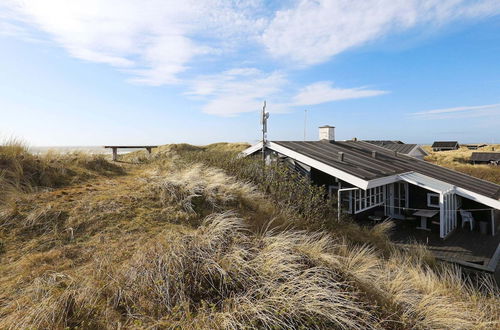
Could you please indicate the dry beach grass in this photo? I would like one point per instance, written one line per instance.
(192, 238)
(458, 160)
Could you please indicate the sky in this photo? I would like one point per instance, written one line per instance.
(133, 72)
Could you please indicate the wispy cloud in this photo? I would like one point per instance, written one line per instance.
(159, 42)
(459, 112)
(322, 92)
(238, 90)
(243, 90)
(158, 39)
(154, 41)
(313, 31)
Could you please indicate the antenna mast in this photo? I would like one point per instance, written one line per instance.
(263, 121)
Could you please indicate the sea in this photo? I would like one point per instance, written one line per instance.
(87, 149)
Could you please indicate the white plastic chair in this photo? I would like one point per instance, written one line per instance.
(467, 217)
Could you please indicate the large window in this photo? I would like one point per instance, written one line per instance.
(366, 199)
(400, 198)
(397, 199)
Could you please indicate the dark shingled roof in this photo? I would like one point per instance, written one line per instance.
(384, 142)
(485, 156)
(480, 145)
(399, 147)
(444, 144)
(359, 162)
(402, 148)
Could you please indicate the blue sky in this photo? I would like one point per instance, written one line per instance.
(153, 72)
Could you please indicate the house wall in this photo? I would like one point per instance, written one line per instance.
(418, 200)
(417, 153)
(486, 162)
(418, 197)
(297, 167)
(470, 205)
(497, 221)
(321, 178)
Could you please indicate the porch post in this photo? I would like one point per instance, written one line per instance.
(384, 190)
(454, 210)
(390, 189)
(338, 205)
(442, 216)
(493, 229)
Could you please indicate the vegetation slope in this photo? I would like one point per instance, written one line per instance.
(459, 160)
(194, 237)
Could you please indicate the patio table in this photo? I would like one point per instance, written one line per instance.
(424, 215)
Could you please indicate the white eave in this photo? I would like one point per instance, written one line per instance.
(252, 149)
(328, 169)
(439, 186)
(426, 182)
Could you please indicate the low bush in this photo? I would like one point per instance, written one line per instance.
(288, 189)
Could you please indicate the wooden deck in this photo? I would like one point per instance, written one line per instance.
(462, 244)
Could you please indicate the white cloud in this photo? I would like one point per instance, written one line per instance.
(153, 40)
(9, 29)
(313, 31)
(158, 41)
(244, 89)
(322, 92)
(239, 90)
(489, 110)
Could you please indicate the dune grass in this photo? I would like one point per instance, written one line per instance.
(458, 160)
(23, 171)
(176, 242)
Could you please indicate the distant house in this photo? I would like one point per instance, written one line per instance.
(445, 145)
(485, 158)
(413, 150)
(474, 146)
(369, 180)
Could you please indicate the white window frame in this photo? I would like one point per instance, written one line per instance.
(336, 186)
(367, 199)
(429, 197)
